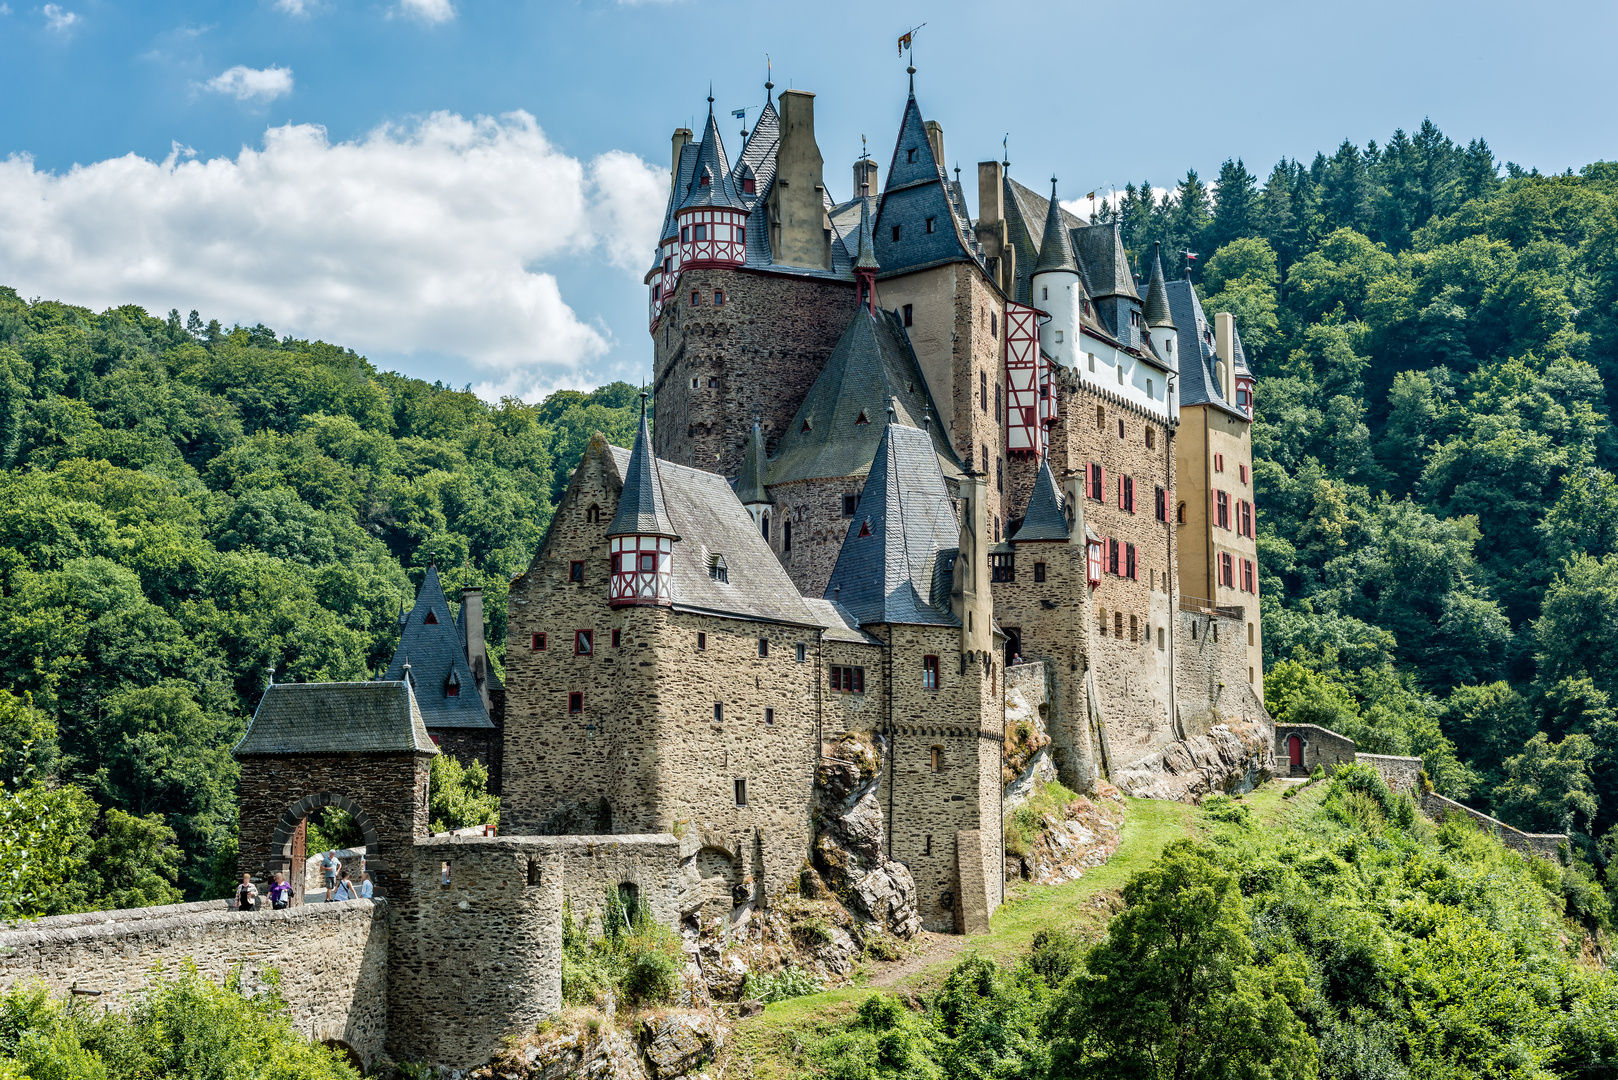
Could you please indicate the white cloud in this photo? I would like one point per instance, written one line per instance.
(57, 17)
(433, 11)
(1082, 207)
(247, 84)
(441, 238)
(5, 9)
(294, 7)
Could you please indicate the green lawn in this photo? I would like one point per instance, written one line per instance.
(773, 1045)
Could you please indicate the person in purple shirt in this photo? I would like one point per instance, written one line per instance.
(280, 893)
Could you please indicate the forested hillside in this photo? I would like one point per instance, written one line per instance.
(1437, 350)
(184, 508)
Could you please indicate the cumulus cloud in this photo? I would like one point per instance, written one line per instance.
(57, 17)
(1081, 207)
(252, 84)
(433, 11)
(438, 238)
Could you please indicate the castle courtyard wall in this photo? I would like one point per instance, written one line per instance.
(332, 959)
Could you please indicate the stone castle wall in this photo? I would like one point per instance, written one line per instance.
(761, 350)
(332, 959)
(1399, 773)
(1320, 747)
(819, 527)
(1545, 845)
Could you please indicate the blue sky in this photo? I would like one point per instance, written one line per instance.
(466, 189)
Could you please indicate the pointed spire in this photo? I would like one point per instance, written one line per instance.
(866, 258)
(640, 506)
(750, 484)
(1157, 294)
(911, 71)
(769, 78)
(1045, 518)
(1055, 247)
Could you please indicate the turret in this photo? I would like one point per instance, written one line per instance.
(865, 264)
(1159, 323)
(1057, 289)
(641, 537)
(750, 483)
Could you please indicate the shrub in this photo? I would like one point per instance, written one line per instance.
(636, 960)
(1024, 824)
(1226, 809)
(789, 982)
(1056, 955)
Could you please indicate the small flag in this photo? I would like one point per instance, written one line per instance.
(740, 114)
(904, 43)
(1091, 195)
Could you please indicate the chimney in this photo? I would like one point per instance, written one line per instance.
(800, 234)
(864, 178)
(991, 229)
(477, 653)
(991, 192)
(970, 598)
(1225, 346)
(681, 137)
(935, 138)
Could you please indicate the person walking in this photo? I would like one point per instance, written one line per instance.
(344, 891)
(366, 888)
(280, 893)
(247, 894)
(330, 867)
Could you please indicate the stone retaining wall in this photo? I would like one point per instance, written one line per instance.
(1399, 773)
(1545, 845)
(332, 958)
(1320, 747)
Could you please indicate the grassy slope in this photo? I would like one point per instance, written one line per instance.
(773, 1045)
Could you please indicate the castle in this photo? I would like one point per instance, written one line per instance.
(903, 456)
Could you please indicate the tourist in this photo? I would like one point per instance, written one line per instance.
(1016, 658)
(247, 894)
(343, 891)
(280, 893)
(365, 885)
(330, 865)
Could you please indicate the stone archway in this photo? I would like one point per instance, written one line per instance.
(282, 855)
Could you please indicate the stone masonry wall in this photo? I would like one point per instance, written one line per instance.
(815, 510)
(700, 758)
(762, 349)
(1545, 845)
(390, 790)
(1210, 674)
(927, 808)
(1320, 747)
(332, 958)
(1399, 773)
(844, 711)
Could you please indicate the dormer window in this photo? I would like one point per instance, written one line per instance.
(865, 527)
(452, 688)
(706, 179)
(717, 569)
(863, 419)
(431, 619)
(805, 425)
(910, 156)
(932, 224)
(896, 234)
(749, 186)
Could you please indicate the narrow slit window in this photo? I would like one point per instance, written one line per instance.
(741, 791)
(575, 701)
(702, 641)
(764, 647)
(803, 652)
(769, 717)
(719, 712)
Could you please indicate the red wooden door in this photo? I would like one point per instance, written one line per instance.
(1294, 750)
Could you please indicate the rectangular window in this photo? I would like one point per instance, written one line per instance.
(536, 642)
(929, 672)
(701, 233)
(1222, 509)
(936, 759)
(741, 791)
(696, 298)
(997, 402)
(764, 646)
(849, 680)
(1039, 571)
(1097, 482)
(932, 224)
(1227, 573)
(1129, 494)
(896, 240)
(1242, 469)
(1134, 628)
(719, 712)
(1101, 418)
(803, 652)
(1112, 556)
(575, 571)
(769, 717)
(1219, 463)
(983, 391)
(907, 306)
(1130, 570)
(1160, 637)
(1161, 499)
(850, 504)
(718, 298)
(575, 701)
(1101, 621)
(583, 642)
(1250, 633)
(1002, 568)
(685, 234)
(1249, 584)
(617, 638)
(657, 292)
(702, 641)
(1118, 625)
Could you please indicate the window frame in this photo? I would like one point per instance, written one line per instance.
(739, 790)
(575, 698)
(929, 673)
(1039, 572)
(536, 641)
(588, 638)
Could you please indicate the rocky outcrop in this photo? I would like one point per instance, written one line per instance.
(1235, 756)
(660, 1048)
(848, 853)
(1067, 840)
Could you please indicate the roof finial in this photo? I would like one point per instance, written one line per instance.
(911, 71)
(769, 77)
(710, 99)
(643, 396)
(927, 415)
(1005, 151)
(272, 674)
(893, 409)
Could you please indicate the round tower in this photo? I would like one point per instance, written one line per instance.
(641, 538)
(1057, 289)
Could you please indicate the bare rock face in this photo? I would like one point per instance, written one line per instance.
(679, 1043)
(661, 1048)
(848, 841)
(1234, 756)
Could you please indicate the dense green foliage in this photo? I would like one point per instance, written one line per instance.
(634, 959)
(183, 509)
(183, 1026)
(1365, 941)
(1434, 457)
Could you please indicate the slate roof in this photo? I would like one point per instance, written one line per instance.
(1197, 384)
(838, 624)
(750, 484)
(866, 258)
(711, 164)
(435, 648)
(905, 515)
(871, 367)
(1106, 265)
(705, 512)
(1055, 246)
(1046, 517)
(917, 191)
(1157, 301)
(337, 718)
(640, 506)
